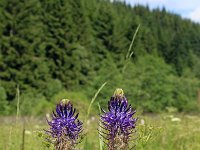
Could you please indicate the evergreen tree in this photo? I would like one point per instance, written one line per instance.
(21, 38)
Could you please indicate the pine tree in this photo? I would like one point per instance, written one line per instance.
(21, 39)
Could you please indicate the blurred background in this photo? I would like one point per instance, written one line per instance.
(55, 49)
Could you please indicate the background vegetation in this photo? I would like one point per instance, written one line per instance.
(51, 48)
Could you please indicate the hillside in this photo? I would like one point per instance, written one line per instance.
(51, 47)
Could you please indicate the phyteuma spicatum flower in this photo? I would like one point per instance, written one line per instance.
(65, 128)
(117, 124)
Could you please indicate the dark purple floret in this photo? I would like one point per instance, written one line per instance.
(118, 123)
(65, 128)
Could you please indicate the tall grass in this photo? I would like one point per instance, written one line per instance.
(129, 52)
(18, 102)
(93, 99)
(101, 144)
(89, 111)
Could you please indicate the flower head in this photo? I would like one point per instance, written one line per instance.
(118, 123)
(65, 128)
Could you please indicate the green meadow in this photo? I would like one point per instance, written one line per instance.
(154, 132)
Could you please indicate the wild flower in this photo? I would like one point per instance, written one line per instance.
(65, 128)
(117, 124)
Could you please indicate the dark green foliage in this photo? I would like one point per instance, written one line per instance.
(154, 86)
(50, 46)
(3, 102)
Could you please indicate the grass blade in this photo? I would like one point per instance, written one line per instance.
(129, 53)
(100, 139)
(17, 96)
(93, 99)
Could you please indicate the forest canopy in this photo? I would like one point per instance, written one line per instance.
(52, 47)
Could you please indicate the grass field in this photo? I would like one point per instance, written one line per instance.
(155, 132)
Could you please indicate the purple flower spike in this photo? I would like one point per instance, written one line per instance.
(65, 128)
(118, 124)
